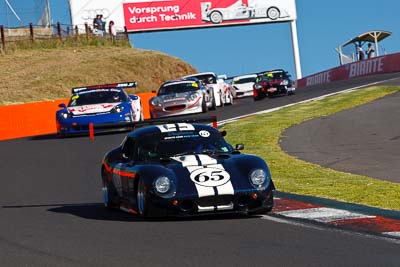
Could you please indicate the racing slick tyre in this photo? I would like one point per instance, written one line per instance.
(109, 192)
(216, 17)
(141, 199)
(273, 13)
(141, 118)
(213, 104)
(230, 97)
(204, 107)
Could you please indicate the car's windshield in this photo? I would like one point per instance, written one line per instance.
(165, 145)
(274, 75)
(97, 96)
(206, 78)
(244, 80)
(181, 87)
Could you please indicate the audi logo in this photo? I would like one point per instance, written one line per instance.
(88, 14)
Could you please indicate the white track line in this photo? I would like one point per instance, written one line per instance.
(325, 215)
(222, 122)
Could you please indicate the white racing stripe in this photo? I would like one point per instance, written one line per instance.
(209, 178)
(188, 160)
(226, 189)
(395, 234)
(323, 214)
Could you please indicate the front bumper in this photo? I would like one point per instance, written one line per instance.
(243, 202)
(80, 125)
(175, 110)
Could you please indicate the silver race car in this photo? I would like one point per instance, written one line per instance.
(180, 97)
(215, 83)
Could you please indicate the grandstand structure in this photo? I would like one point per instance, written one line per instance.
(348, 50)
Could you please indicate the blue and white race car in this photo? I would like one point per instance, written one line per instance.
(105, 104)
(183, 169)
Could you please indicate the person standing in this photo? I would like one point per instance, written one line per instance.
(112, 29)
(360, 52)
(370, 51)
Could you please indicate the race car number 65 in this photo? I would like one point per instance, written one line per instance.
(210, 177)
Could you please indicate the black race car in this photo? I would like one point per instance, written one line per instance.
(184, 169)
(273, 83)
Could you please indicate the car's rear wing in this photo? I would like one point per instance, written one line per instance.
(105, 86)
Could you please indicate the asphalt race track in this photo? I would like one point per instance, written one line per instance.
(364, 140)
(51, 215)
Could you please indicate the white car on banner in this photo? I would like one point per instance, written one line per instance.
(220, 89)
(254, 9)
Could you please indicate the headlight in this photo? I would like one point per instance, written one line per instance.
(117, 109)
(65, 115)
(257, 86)
(162, 184)
(193, 97)
(285, 82)
(155, 102)
(258, 178)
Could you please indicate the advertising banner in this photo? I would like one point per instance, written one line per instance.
(363, 68)
(149, 15)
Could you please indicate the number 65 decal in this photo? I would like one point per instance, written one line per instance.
(210, 177)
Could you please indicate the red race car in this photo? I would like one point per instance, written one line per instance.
(273, 83)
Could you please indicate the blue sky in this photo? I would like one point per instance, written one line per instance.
(321, 26)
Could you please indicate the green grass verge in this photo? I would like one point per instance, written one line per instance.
(261, 135)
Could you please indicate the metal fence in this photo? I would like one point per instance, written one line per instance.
(31, 34)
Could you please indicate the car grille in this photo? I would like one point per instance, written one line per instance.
(176, 107)
(215, 200)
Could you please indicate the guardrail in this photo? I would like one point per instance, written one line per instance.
(38, 118)
(377, 65)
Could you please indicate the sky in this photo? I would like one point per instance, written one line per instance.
(321, 26)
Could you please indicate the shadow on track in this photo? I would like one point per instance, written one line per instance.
(99, 212)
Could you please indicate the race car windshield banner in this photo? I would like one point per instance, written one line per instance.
(146, 15)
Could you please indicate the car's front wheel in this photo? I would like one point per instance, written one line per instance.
(216, 17)
(204, 107)
(273, 13)
(109, 192)
(141, 199)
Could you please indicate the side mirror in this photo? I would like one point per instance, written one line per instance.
(239, 147)
(223, 133)
(62, 105)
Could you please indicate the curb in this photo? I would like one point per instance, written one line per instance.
(343, 215)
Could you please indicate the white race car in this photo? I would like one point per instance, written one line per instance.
(256, 9)
(220, 89)
(180, 97)
(243, 85)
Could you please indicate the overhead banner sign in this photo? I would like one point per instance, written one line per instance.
(146, 15)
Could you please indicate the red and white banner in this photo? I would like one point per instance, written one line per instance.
(149, 15)
(377, 65)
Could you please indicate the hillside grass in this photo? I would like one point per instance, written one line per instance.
(50, 73)
(262, 133)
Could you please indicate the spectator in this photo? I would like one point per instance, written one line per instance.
(97, 22)
(370, 51)
(112, 29)
(360, 52)
(98, 25)
(102, 23)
